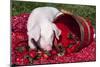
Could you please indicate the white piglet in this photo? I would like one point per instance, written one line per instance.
(41, 28)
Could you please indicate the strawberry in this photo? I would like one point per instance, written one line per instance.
(53, 52)
(22, 61)
(45, 56)
(32, 53)
(41, 59)
(73, 47)
(26, 61)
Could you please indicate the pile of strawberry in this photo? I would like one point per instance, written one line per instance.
(68, 40)
(65, 50)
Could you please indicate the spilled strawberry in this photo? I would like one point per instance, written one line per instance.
(32, 53)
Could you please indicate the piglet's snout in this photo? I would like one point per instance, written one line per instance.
(47, 47)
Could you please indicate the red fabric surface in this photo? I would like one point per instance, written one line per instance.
(22, 55)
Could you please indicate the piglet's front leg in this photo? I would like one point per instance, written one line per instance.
(31, 44)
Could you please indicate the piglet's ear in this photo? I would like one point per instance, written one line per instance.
(35, 33)
(56, 30)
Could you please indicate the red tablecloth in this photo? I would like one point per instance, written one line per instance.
(19, 43)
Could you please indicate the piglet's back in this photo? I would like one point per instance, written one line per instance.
(41, 13)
